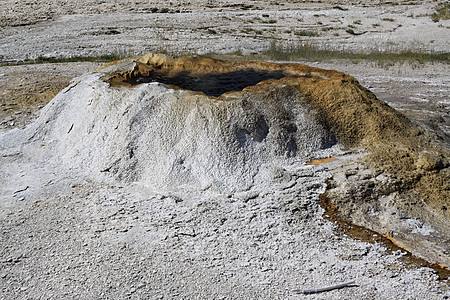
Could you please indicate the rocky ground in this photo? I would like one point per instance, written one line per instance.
(199, 29)
(64, 236)
(68, 238)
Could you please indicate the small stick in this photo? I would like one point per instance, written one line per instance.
(21, 190)
(324, 289)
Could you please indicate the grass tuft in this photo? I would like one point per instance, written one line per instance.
(442, 12)
(340, 8)
(313, 53)
(42, 60)
(306, 33)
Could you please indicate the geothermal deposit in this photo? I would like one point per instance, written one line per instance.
(192, 177)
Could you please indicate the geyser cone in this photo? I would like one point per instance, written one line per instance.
(220, 125)
(192, 120)
(217, 127)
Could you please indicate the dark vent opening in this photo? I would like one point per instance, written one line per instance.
(212, 84)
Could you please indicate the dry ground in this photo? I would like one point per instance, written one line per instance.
(82, 241)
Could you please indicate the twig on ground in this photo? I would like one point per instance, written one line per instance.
(324, 289)
(21, 190)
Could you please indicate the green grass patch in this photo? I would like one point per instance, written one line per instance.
(306, 33)
(277, 52)
(269, 22)
(313, 53)
(339, 8)
(43, 60)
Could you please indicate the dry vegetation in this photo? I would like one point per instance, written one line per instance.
(442, 12)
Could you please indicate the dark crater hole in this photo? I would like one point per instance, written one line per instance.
(212, 84)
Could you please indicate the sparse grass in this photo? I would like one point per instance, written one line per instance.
(388, 19)
(357, 22)
(43, 60)
(306, 33)
(275, 51)
(269, 22)
(340, 8)
(442, 11)
(249, 30)
(314, 53)
(375, 25)
(351, 31)
(238, 52)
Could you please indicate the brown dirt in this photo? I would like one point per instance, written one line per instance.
(27, 88)
(19, 101)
